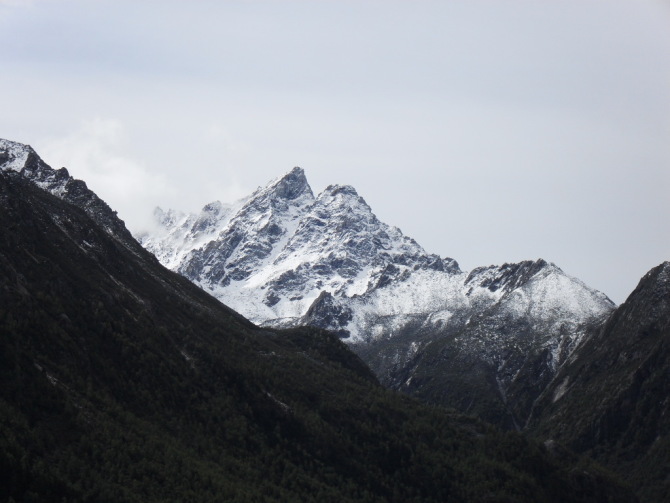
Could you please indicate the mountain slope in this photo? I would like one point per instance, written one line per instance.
(283, 258)
(498, 361)
(122, 381)
(25, 161)
(610, 399)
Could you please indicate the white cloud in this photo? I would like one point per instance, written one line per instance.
(96, 153)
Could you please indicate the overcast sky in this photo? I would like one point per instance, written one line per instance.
(489, 131)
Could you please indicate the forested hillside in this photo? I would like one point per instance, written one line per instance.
(122, 381)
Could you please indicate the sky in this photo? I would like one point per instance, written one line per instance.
(490, 131)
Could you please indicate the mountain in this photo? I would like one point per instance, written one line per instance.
(610, 399)
(22, 159)
(272, 254)
(496, 362)
(283, 258)
(123, 381)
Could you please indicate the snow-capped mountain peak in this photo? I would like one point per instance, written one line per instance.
(283, 257)
(290, 186)
(273, 254)
(13, 155)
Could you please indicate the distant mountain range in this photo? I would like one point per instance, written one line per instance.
(484, 342)
(123, 381)
(494, 342)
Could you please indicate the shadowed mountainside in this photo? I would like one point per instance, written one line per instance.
(610, 400)
(122, 381)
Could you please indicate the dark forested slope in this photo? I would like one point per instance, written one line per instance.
(122, 381)
(610, 400)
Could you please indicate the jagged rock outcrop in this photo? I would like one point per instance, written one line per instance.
(272, 254)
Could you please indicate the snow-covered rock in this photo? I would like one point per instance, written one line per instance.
(273, 255)
(283, 257)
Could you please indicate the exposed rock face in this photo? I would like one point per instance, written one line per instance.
(283, 257)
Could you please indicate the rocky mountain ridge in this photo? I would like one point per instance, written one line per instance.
(284, 257)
